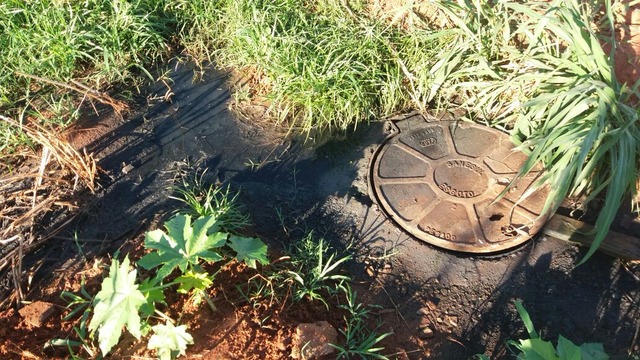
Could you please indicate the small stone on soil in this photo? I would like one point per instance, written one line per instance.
(312, 340)
(426, 333)
(424, 322)
(126, 168)
(37, 312)
(430, 306)
(423, 311)
(370, 271)
(451, 320)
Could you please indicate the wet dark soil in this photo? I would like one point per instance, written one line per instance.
(293, 185)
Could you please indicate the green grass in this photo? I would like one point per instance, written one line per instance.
(203, 198)
(564, 105)
(535, 347)
(534, 69)
(324, 68)
(97, 43)
(577, 120)
(314, 271)
(360, 341)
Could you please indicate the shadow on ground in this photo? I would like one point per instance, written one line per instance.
(291, 187)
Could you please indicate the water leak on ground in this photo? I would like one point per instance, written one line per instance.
(439, 304)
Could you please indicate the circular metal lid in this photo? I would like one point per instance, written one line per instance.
(440, 180)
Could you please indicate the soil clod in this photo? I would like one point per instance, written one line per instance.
(312, 340)
(37, 313)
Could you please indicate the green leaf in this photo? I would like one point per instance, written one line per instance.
(116, 306)
(193, 280)
(152, 293)
(62, 342)
(536, 349)
(249, 250)
(593, 351)
(169, 341)
(526, 319)
(183, 245)
(567, 350)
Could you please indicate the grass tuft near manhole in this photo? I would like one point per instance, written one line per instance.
(325, 66)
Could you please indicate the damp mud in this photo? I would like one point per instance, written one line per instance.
(293, 185)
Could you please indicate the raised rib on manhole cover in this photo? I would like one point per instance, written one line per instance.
(438, 180)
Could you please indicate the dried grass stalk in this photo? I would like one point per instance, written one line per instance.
(83, 165)
(22, 203)
(118, 106)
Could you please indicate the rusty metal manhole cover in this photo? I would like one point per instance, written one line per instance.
(438, 180)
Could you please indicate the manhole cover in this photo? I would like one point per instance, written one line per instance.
(438, 180)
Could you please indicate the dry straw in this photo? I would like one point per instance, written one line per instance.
(27, 195)
(24, 204)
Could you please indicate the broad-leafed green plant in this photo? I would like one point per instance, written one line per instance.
(536, 348)
(125, 303)
(185, 245)
(116, 306)
(169, 341)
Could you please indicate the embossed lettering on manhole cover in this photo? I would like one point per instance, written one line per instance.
(439, 180)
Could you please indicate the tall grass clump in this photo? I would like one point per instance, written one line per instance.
(326, 65)
(199, 27)
(578, 120)
(554, 88)
(98, 43)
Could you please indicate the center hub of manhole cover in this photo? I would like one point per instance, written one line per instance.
(440, 180)
(461, 178)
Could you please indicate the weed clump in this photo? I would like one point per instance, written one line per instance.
(324, 68)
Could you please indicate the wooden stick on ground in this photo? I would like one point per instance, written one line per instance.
(615, 244)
